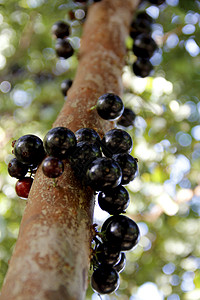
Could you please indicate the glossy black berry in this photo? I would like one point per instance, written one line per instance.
(127, 119)
(119, 267)
(29, 149)
(116, 141)
(114, 201)
(61, 29)
(65, 86)
(105, 279)
(105, 224)
(52, 167)
(23, 187)
(103, 173)
(63, 48)
(128, 165)
(83, 155)
(140, 25)
(144, 46)
(17, 169)
(144, 16)
(87, 135)
(157, 2)
(107, 254)
(109, 106)
(123, 232)
(142, 67)
(59, 142)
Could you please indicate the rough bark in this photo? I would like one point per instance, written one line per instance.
(52, 254)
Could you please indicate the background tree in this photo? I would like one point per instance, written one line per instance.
(165, 196)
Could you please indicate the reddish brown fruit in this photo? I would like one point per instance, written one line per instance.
(23, 186)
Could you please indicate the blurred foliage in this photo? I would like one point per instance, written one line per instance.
(166, 194)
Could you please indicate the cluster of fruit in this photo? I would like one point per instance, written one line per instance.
(103, 164)
(80, 149)
(144, 45)
(29, 153)
(119, 233)
(107, 175)
(61, 30)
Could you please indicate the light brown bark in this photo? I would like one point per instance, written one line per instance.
(52, 254)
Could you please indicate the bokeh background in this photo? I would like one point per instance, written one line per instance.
(165, 196)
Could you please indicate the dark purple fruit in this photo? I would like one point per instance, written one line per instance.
(157, 2)
(114, 201)
(71, 14)
(63, 48)
(29, 149)
(59, 142)
(122, 232)
(116, 141)
(140, 25)
(61, 29)
(23, 186)
(119, 267)
(109, 106)
(144, 46)
(104, 280)
(142, 67)
(144, 16)
(128, 165)
(107, 254)
(65, 86)
(105, 224)
(83, 155)
(127, 119)
(103, 173)
(17, 169)
(87, 135)
(52, 167)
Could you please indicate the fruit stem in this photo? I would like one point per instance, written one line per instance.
(54, 182)
(93, 107)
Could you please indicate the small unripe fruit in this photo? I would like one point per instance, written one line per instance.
(52, 167)
(23, 187)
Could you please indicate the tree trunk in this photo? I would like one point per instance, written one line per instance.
(52, 254)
